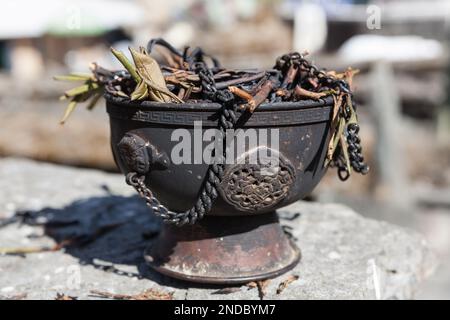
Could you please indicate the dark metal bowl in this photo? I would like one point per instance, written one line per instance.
(304, 133)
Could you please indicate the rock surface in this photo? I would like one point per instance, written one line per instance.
(344, 256)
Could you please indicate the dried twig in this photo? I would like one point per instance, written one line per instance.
(225, 84)
(349, 74)
(62, 296)
(290, 76)
(240, 93)
(301, 92)
(149, 294)
(286, 282)
(260, 96)
(261, 285)
(26, 250)
(19, 296)
(227, 290)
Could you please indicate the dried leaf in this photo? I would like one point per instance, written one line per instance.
(334, 123)
(148, 69)
(337, 107)
(141, 91)
(353, 118)
(335, 140)
(153, 89)
(344, 148)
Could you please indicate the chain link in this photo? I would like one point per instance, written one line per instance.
(214, 175)
(353, 140)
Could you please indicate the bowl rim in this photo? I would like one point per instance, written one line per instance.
(213, 106)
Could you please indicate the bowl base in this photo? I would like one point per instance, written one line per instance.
(224, 250)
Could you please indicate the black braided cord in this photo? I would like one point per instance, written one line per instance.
(214, 175)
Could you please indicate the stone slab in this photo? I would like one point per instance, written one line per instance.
(344, 256)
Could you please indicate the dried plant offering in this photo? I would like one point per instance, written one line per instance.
(183, 77)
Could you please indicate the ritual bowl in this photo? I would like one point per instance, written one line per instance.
(240, 239)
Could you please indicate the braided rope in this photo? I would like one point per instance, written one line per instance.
(209, 191)
(207, 194)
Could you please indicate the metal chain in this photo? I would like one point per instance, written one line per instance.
(214, 175)
(353, 140)
(227, 120)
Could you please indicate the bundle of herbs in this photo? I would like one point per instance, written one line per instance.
(193, 76)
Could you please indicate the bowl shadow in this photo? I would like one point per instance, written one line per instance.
(106, 232)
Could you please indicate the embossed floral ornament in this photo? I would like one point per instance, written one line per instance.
(251, 187)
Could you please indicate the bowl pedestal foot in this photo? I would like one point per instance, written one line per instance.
(224, 250)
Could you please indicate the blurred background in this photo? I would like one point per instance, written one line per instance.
(400, 47)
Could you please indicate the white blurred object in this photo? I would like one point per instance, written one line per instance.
(310, 27)
(79, 60)
(31, 18)
(246, 8)
(180, 34)
(26, 61)
(220, 13)
(366, 48)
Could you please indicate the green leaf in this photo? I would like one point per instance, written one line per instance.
(126, 63)
(81, 89)
(74, 77)
(68, 111)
